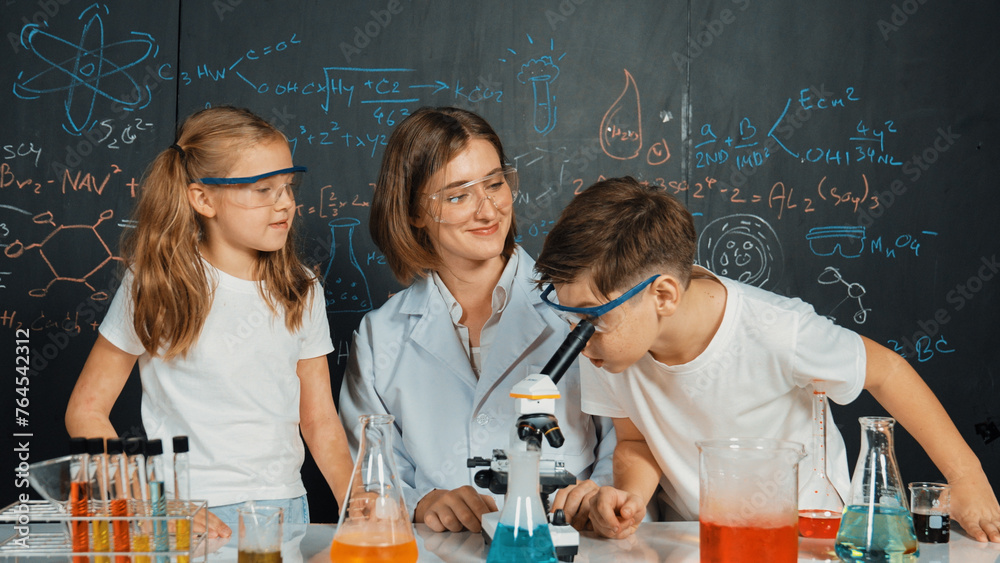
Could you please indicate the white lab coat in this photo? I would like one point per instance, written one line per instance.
(408, 361)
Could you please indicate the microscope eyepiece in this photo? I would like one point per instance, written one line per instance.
(568, 351)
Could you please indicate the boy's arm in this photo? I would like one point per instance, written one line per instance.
(321, 427)
(617, 511)
(903, 393)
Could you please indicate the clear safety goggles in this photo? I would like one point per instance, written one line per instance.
(595, 315)
(262, 190)
(458, 204)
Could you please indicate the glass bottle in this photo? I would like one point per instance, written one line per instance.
(374, 524)
(118, 493)
(523, 531)
(182, 496)
(876, 525)
(99, 497)
(820, 505)
(79, 496)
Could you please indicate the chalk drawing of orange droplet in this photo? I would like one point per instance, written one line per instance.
(621, 128)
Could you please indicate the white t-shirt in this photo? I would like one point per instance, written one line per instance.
(751, 381)
(235, 394)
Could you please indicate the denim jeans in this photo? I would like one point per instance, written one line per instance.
(296, 511)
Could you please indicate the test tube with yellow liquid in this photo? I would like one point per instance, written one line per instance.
(182, 496)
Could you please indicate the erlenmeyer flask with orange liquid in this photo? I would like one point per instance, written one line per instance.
(820, 505)
(374, 524)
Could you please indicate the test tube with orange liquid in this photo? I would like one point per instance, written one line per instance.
(119, 495)
(79, 497)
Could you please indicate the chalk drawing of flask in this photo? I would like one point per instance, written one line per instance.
(345, 286)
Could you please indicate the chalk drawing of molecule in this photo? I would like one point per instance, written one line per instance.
(64, 242)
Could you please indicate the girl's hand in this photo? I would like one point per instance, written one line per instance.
(216, 527)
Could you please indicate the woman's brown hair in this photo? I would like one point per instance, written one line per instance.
(171, 291)
(419, 147)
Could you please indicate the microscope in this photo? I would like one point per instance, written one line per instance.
(535, 400)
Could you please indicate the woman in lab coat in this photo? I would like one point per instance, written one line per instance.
(442, 355)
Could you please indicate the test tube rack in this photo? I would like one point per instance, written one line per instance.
(57, 540)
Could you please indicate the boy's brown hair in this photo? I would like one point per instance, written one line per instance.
(620, 232)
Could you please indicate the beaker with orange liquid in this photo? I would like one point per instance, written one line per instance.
(374, 524)
(748, 500)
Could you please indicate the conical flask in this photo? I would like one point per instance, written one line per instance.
(374, 524)
(344, 284)
(876, 525)
(522, 535)
(820, 505)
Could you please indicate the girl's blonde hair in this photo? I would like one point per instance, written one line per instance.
(171, 291)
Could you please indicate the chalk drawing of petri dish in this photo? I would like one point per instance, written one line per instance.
(742, 247)
(344, 284)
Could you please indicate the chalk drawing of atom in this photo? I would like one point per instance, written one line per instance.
(86, 70)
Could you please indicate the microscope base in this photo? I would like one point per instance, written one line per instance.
(565, 538)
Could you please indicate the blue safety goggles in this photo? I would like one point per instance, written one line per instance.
(574, 315)
(250, 179)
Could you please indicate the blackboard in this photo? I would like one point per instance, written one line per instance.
(841, 152)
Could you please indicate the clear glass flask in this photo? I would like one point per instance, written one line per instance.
(374, 524)
(876, 525)
(522, 535)
(820, 505)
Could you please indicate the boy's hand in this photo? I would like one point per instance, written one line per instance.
(574, 500)
(616, 513)
(455, 510)
(975, 508)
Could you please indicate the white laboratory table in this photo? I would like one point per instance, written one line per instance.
(672, 542)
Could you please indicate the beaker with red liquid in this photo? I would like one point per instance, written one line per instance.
(748, 503)
(374, 524)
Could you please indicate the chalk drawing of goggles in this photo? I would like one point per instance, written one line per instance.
(849, 242)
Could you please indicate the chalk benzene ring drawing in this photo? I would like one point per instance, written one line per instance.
(62, 236)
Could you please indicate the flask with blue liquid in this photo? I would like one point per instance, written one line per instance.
(523, 532)
(877, 525)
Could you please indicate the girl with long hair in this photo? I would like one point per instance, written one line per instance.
(228, 327)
